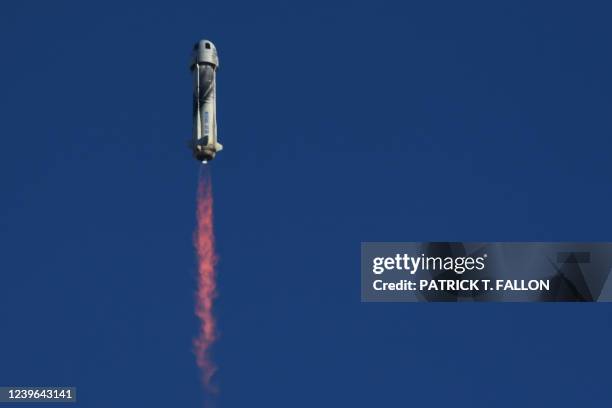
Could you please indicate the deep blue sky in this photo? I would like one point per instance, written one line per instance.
(342, 122)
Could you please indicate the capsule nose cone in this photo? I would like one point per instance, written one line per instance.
(204, 45)
(204, 52)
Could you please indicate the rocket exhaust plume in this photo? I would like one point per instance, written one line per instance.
(204, 241)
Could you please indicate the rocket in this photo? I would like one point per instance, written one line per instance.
(204, 64)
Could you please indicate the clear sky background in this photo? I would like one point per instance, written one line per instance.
(342, 122)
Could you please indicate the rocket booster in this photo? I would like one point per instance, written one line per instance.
(204, 64)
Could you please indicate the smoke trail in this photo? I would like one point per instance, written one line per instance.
(204, 241)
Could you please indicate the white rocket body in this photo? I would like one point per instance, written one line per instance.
(204, 64)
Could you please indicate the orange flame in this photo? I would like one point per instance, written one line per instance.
(204, 241)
